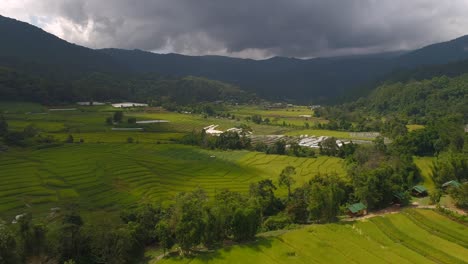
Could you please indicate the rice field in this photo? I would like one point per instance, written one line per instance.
(414, 127)
(295, 116)
(425, 166)
(20, 107)
(413, 236)
(111, 176)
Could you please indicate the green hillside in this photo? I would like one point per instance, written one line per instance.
(28, 49)
(414, 236)
(415, 101)
(19, 86)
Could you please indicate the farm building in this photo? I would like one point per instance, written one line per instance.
(128, 104)
(398, 198)
(211, 130)
(453, 184)
(90, 103)
(357, 209)
(314, 142)
(419, 191)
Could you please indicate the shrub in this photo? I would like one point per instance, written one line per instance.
(69, 139)
(276, 222)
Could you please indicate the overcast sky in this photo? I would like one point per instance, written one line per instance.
(247, 28)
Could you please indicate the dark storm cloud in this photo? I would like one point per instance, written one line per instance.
(256, 28)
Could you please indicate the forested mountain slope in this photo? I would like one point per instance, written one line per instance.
(30, 50)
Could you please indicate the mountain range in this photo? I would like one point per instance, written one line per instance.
(29, 49)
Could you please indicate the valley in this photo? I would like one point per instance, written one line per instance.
(354, 151)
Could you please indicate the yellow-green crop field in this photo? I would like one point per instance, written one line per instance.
(424, 164)
(108, 176)
(413, 236)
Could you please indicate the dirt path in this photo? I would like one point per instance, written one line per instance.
(396, 209)
(389, 210)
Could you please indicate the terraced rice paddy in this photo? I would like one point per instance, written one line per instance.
(113, 176)
(413, 236)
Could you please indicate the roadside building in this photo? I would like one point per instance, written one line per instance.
(357, 209)
(451, 184)
(419, 191)
(398, 198)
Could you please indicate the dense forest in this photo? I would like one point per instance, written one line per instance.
(101, 86)
(417, 102)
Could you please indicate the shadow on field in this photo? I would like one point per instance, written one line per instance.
(259, 245)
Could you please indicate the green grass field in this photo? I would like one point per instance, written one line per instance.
(414, 127)
(425, 166)
(112, 176)
(295, 116)
(414, 236)
(20, 107)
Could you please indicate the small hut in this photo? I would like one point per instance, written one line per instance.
(451, 184)
(398, 198)
(419, 191)
(357, 209)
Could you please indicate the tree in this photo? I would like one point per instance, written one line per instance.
(114, 245)
(460, 195)
(245, 223)
(147, 217)
(14, 138)
(118, 116)
(232, 140)
(450, 166)
(71, 241)
(374, 187)
(261, 146)
(131, 120)
(109, 120)
(223, 208)
(286, 179)
(26, 245)
(188, 217)
(263, 193)
(8, 246)
(214, 227)
(379, 144)
(164, 235)
(30, 131)
(278, 148)
(329, 147)
(3, 125)
(70, 139)
(39, 233)
(257, 119)
(326, 195)
(297, 206)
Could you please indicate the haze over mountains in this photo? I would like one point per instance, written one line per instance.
(27, 48)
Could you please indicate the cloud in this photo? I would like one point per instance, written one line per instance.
(248, 28)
